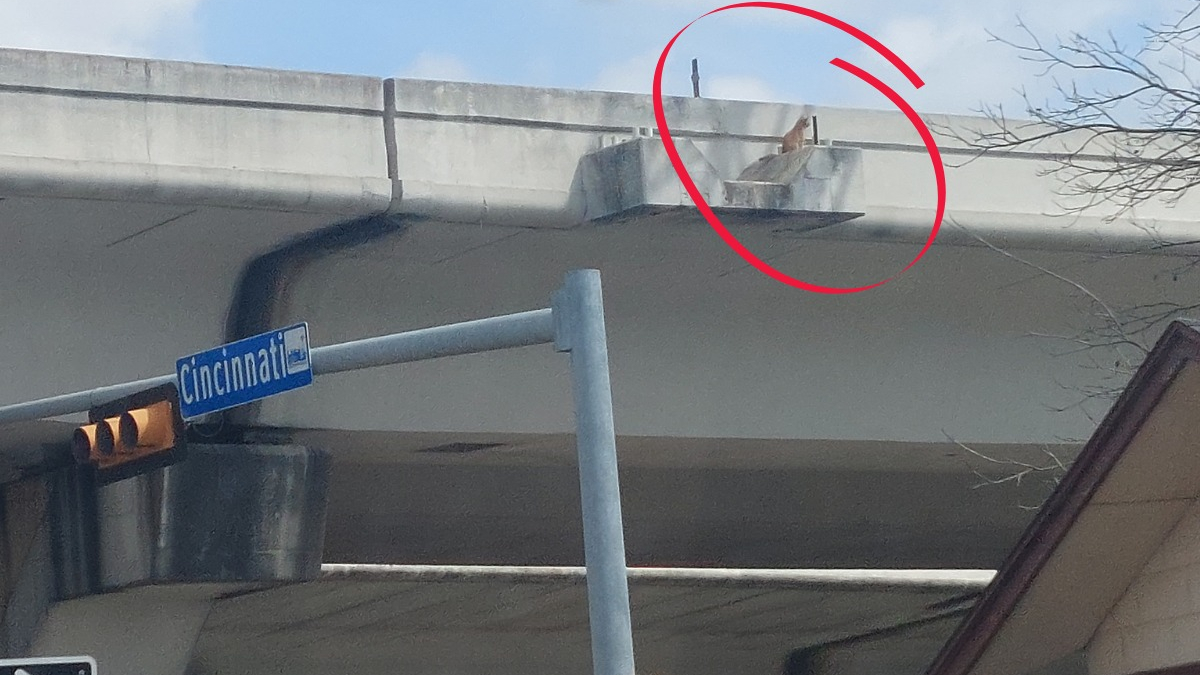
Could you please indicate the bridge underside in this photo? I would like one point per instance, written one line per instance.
(152, 210)
(481, 625)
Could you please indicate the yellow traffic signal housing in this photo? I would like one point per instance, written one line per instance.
(132, 435)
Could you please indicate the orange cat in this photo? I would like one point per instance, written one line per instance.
(795, 139)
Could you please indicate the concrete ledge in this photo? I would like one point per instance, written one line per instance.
(81, 74)
(595, 110)
(227, 514)
(815, 187)
(199, 186)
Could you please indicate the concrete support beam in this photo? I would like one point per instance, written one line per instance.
(240, 516)
(127, 572)
(28, 574)
(814, 187)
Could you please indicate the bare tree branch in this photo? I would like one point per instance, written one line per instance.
(1122, 123)
(1014, 471)
(1119, 127)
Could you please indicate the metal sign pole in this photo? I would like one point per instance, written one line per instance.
(579, 329)
(575, 324)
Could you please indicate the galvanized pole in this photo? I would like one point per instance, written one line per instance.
(579, 329)
(469, 337)
(575, 324)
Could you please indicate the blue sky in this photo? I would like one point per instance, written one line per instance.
(592, 44)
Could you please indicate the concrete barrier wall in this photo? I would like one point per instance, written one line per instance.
(108, 109)
(493, 171)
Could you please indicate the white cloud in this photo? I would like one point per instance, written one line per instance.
(438, 66)
(945, 41)
(741, 88)
(949, 46)
(634, 74)
(161, 28)
(954, 57)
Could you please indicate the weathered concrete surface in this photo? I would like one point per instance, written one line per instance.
(496, 499)
(106, 109)
(100, 292)
(520, 146)
(489, 211)
(821, 184)
(135, 196)
(704, 346)
(166, 622)
(248, 514)
(134, 193)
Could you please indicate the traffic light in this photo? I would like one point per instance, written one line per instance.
(132, 435)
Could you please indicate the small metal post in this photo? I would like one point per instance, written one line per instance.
(579, 329)
(696, 78)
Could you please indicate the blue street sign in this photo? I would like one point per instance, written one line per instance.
(240, 372)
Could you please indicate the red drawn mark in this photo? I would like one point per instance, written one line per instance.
(935, 156)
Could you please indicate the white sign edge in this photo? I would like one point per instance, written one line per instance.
(48, 661)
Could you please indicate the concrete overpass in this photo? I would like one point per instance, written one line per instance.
(151, 209)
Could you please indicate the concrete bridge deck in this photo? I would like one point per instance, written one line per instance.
(151, 209)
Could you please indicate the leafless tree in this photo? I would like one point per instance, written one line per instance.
(1128, 117)
(1118, 128)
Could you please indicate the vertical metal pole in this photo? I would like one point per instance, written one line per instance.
(579, 329)
(695, 78)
